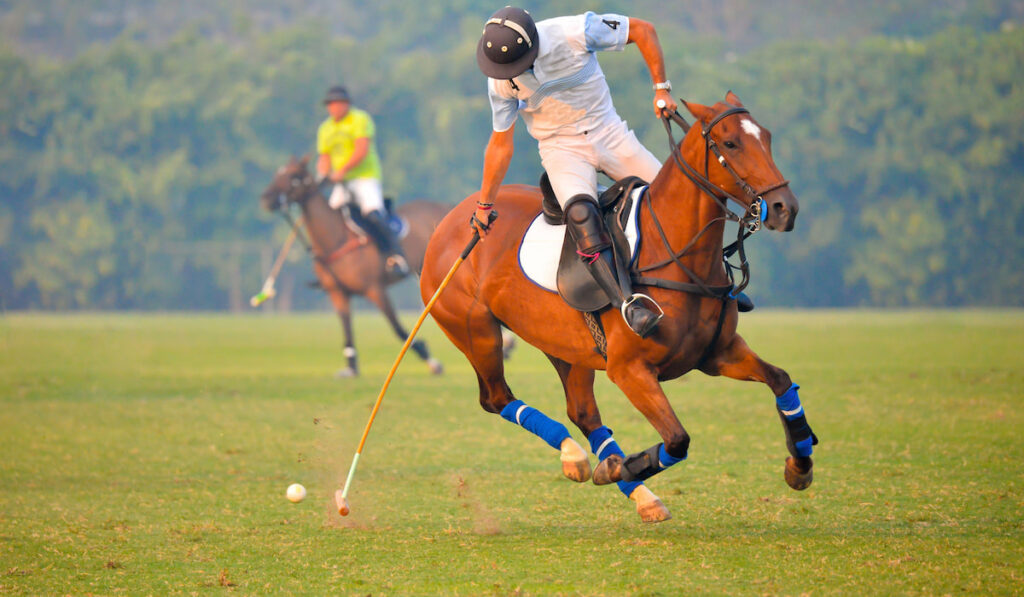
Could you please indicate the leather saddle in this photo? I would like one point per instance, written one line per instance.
(575, 284)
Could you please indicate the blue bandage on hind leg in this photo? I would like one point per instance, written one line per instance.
(531, 419)
(796, 422)
(603, 446)
(789, 403)
(665, 459)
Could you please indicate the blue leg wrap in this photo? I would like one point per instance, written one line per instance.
(531, 419)
(665, 459)
(603, 446)
(796, 422)
(789, 403)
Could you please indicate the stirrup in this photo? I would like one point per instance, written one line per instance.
(643, 333)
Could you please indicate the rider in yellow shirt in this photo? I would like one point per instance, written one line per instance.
(348, 158)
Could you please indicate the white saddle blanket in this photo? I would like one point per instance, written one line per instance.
(542, 246)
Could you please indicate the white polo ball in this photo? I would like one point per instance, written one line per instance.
(296, 493)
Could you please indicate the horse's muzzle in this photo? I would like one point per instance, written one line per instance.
(782, 209)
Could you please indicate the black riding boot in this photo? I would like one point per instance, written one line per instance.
(386, 242)
(594, 245)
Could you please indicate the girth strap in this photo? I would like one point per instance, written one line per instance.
(352, 244)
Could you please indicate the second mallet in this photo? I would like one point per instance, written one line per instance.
(268, 291)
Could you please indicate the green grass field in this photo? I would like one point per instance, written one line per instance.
(149, 454)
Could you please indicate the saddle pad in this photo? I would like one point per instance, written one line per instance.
(542, 245)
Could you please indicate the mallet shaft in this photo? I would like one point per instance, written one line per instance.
(268, 286)
(342, 503)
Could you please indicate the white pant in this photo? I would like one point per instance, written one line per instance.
(572, 161)
(366, 192)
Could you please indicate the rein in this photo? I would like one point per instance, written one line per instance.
(749, 223)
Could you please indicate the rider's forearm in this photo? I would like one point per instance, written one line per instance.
(645, 37)
(359, 151)
(323, 165)
(497, 158)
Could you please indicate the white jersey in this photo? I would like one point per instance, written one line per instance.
(565, 92)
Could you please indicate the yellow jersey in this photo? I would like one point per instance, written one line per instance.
(337, 139)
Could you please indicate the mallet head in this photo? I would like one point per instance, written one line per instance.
(341, 502)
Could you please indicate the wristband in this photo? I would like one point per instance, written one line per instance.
(667, 86)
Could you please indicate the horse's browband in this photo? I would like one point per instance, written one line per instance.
(735, 110)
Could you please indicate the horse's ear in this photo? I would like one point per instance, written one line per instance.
(733, 99)
(304, 161)
(699, 111)
(291, 159)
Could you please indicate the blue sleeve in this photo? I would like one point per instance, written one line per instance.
(605, 32)
(504, 110)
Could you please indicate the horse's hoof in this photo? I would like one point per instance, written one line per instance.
(346, 373)
(435, 366)
(575, 464)
(609, 470)
(649, 506)
(799, 475)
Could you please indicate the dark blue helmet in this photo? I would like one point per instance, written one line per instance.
(508, 45)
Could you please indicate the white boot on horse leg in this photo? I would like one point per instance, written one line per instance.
(575, 464)
(649, 506)
(346, 373)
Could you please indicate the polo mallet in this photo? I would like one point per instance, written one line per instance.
(341, 496)
(268, 291)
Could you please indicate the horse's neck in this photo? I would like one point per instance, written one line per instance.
(683, 210)
(327, 229)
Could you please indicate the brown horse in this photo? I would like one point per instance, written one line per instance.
(344, 261)
(683, 207)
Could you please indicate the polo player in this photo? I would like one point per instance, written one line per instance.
(548, 72)
(348, 158)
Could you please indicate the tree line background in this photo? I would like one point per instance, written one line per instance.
(135, 137)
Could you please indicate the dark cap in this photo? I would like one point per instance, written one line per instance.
(336, 94)
(509, 44)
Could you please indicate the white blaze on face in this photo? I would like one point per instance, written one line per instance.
(752, 129)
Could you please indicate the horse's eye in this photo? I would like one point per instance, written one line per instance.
(730, 145)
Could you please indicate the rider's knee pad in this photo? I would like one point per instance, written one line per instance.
(580, 208)
(583, 217)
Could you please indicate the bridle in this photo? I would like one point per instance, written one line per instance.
(756, 212)
(305, 184)
(299, 182)
(755, 205)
